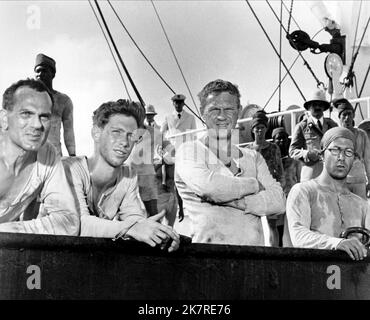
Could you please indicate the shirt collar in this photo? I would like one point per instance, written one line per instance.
(315, 120)
(176, 113)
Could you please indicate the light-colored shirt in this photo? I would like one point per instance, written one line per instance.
(316, 215)
(118, 207)
(58, 214)
(62, 112)
(201, 175)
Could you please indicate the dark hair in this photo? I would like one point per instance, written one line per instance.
(8, 95)
(217, 86)
(122, 106)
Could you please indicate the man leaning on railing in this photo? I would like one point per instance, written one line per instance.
(31, 171)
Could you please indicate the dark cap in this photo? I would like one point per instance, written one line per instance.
(44, 60)
(278, 130)
(342, 104)
(178, 97)
(259, 117)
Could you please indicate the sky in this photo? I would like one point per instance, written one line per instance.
(211, 39)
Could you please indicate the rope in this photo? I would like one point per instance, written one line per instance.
(119, 56)
(318, 82)
(350, 71)
(357, 104)
(277, 53)
(110, 49)
(174, 55)
(281, 81)
(147, 60)
(290, 15)
(291, 66)
(357, 23)
(280, 49)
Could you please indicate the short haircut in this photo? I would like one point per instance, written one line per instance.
(8, 95)
(216, 87)
(122, 106)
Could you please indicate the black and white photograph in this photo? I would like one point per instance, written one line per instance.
(184, 156)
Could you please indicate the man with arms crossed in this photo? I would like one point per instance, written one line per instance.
(106, 189)
(226, 190)
(320, 209)
(29, 166)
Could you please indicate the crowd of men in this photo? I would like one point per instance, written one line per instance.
(142, 177)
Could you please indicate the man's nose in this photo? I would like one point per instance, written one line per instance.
(36, 122)
(341, 155)
(124, 140)
(221, 114)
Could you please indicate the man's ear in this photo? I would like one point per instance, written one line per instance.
(321, 156)
(95, 133)
(3, 119)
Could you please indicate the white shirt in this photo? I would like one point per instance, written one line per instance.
(207, 187)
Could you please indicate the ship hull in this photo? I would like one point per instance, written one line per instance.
(88, 268)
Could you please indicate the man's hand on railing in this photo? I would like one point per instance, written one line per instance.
(355, 249)
(154, 233)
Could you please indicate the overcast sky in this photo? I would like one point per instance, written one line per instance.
(212, 39)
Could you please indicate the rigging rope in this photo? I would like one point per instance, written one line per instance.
(362, 88)
(268, 38)
(174, 55)
(280, 49)
(290, 14)
(119, 56)
(350, 70)
(286, 74)
(318, 82)
(110, 49)
(147, 60)
(357, 23)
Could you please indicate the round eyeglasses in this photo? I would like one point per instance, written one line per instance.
(347, 152)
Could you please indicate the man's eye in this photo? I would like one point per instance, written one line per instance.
(26, 114)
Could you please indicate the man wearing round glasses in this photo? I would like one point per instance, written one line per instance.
(320, 209)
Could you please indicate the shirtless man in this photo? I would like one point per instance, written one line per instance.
(29, 166)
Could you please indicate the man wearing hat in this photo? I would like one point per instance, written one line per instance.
(62, 109)
(320, 209)
(305, 145)
(359, 177)
(179, 120)
(149, 117)
(176, 122)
